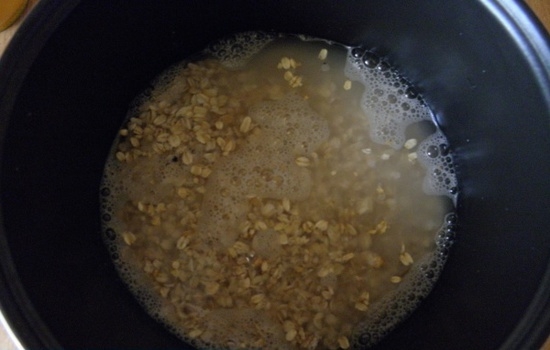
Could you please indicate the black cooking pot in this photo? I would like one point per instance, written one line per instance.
(69, 75)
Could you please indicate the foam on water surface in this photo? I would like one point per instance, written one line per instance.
(263, 167)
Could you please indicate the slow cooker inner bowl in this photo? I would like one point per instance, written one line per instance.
(75, 95)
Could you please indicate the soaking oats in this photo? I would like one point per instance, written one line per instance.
(254, 208)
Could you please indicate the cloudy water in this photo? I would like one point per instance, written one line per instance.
(280, 192)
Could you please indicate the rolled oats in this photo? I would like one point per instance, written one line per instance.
(324, 249)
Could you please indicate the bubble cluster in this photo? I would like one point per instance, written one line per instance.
(264, 167)
(392, 105)
(435, 155)
(162, 172)
(290, 125)
(389, 103)
(235, 51)
(237, 326)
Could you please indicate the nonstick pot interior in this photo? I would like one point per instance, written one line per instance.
(67, 81)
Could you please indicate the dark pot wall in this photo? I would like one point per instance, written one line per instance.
(489, 92)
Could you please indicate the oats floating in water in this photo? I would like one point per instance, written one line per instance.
(258, 199)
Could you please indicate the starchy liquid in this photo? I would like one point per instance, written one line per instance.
(279, 192)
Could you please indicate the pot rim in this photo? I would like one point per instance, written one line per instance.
(530, 35)
(24, 325)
